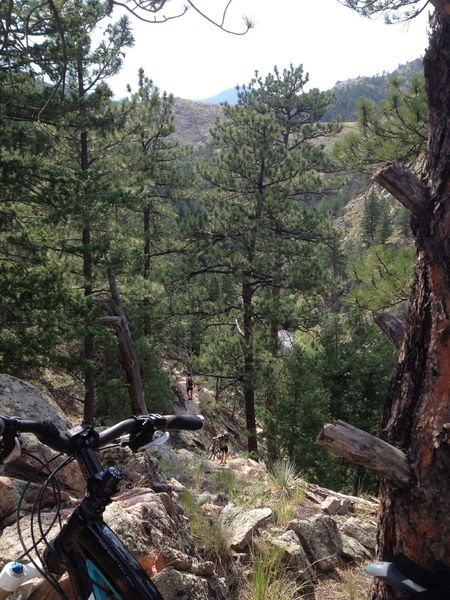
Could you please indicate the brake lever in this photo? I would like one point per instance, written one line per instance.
(10, 446)
(14, 452)
(124, 440)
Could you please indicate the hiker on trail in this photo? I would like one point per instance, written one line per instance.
(189, 386)
(223, 440)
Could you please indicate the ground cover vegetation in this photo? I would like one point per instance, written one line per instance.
(232, 258)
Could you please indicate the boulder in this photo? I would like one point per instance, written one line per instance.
(176, 585)
(10, 544)
(320, 539)
(335, 506)
(14, 490)
(148, 523)
(239, 525)
(248, 469)
(352, 549)
(365, 532)
(293, 554)
(20, 399)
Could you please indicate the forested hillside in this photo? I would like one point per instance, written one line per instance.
(230, 249)
(348, 92)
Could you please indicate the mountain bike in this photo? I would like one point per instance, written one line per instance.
(411, 579)
(214, 450)
(99, 565)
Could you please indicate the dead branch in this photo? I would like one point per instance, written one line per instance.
(368, 451)
(118, 320)
(405, 187)
(391, 326)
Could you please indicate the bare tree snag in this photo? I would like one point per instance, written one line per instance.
(118, 320)
(391, 326)
(406, 188)
(362, 448)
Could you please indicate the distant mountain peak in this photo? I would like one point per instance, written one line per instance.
(229, 95)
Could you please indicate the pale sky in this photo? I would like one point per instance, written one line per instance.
(194, 60)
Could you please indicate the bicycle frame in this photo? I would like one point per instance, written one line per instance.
(99, 564)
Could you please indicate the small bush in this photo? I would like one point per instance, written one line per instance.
(284, 479)
(226, 482)
(208, 536)
(269, 581)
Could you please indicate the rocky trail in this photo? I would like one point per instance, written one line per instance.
(199, 529)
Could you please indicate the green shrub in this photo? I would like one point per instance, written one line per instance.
(269, 581)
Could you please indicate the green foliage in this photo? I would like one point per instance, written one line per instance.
(269, 580)
(393, 10)
(382, 278)
(284, 478)
(207, 535)
(344, 375)
(376, 223)
(395, 130)
(252, 228)
(226, 482)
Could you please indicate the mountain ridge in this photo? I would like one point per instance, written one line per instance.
(193, 119)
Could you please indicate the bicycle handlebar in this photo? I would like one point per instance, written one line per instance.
(141, 427)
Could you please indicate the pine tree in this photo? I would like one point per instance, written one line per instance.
(371, 217)
(394, 130)
(254, 228)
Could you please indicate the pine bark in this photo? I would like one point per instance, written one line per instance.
(416, 521)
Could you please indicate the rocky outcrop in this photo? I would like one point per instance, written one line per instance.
(178, 585)
(364, 531)
(293, 553)
(18, 398)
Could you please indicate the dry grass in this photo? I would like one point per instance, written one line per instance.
(350, 583)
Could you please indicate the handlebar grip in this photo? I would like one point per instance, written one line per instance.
(187, 422)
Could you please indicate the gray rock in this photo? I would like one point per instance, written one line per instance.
(335, 506)
(20, 399)
(176, 585)
(148, 523)
(365, 532)
(352, 549)
(239, 525)
(293, 552)
(320, 539)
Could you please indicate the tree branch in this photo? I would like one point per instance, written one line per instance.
(405, 187)
(391, 326)
(370, 452)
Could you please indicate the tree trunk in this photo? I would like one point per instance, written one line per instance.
(391, 326)
(146, 300)
(128, 359)
(89, 340)
(416, 521)
(272, 384)
(249, 386)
